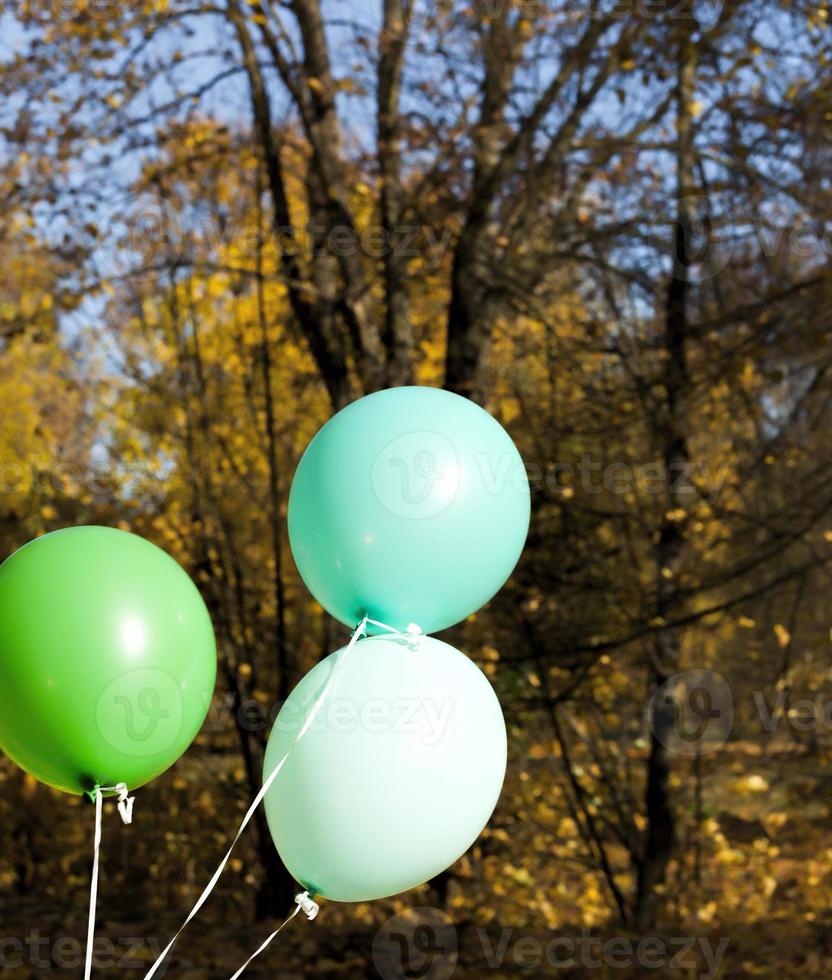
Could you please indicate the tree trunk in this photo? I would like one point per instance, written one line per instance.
(398, 331)
(660, 832)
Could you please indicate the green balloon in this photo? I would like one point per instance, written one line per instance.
(411, 505)
(107, 659)
(396, 777)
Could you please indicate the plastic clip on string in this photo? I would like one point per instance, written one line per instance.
(413, 634)
(267, 785)
(125, 803)
(125, 809)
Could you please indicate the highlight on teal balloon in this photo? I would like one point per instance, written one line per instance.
(411, 505)
(107, 659)
(396, 777)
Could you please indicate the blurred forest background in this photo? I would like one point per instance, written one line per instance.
(610, 222)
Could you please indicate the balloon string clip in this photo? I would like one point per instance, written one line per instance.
(307, 905)
(125, 800)
(415, 635)
(125, 804)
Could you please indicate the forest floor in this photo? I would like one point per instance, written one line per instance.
(763, 905)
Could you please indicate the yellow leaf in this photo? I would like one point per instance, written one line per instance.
(784, 637)
(753, 784)
(707, 913)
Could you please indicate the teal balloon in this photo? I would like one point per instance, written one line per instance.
(107, 659)
(396, 777)
(411, 505)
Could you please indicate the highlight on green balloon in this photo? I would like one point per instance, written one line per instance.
(411, 505)
(107, 659)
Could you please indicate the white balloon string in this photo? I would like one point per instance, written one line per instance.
(94, 886)
(267, 785)
(413, 634)
(125, 807)
(304, 904)
(267, 943)
(412, 629)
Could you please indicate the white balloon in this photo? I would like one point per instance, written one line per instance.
(396, 777)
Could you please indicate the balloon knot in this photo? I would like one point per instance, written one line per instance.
(307, 905)
(415, 635)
